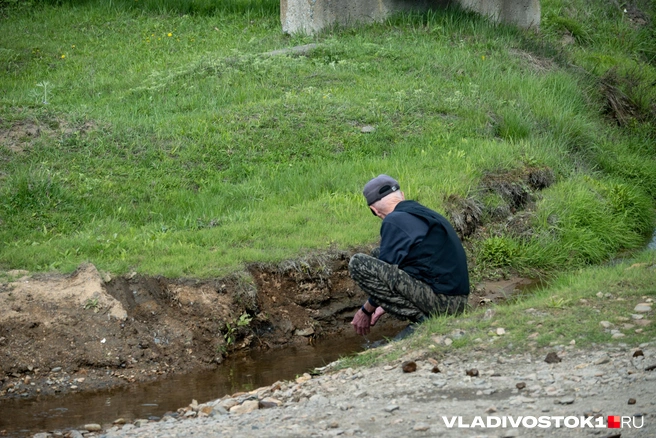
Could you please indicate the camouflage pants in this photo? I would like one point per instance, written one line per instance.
(400, 294)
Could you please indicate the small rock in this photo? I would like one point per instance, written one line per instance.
(638, 353)
(501, 331)
(421, 427)
(409, 367)
(367, 129)
(93, 427)
(56, 369)
(602, 360)
(304, 332)
(448, 341)
(491, 410)
(435, 369)
(605, 324)
(642, 308)
(119, 421)
(566, 400)
(391, 408)
(520, 385)
(552, 357)
(472, 372)
(635, 316)
(618, 335)
(246, 407)
(228, 403)
(632, 401)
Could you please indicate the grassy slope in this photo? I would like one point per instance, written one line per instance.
(170, 146)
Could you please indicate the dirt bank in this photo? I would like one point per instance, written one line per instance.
(88, 331)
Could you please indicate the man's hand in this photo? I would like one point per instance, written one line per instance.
(361, 323)
(377, 314)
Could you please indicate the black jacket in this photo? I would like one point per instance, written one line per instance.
(439, 259)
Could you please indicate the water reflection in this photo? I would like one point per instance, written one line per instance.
(26, 417)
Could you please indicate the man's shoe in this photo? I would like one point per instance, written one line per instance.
(410, 329)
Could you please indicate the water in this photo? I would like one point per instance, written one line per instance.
(652, 244)
(26, 417)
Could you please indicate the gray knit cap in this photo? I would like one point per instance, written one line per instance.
(379, 187)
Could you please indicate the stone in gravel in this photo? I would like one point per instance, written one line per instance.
(501, 331)
(520, 385)
(119, 421)
(391, 408)
(552, 357)
(510, 433)
(228, 403)
(566, 400)
(367, 129)
(409, 367)
(75, 434)
(602, 360)
(638, 352)
(643, 322)
(206, 410)
(632, 401)
(93, 427)
(472, 372)
(435, 369)
(618, 335)
(246, 407)
(605, 324)
(190, 414)
(42, 435)
(635, 316)
(448, 341)
(318, 400)
(388, 367)
(421, 427)
(491, 410)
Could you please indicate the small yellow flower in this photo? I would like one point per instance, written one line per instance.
(483, 57)
(73, 46)
(169, 34)
(63, 56)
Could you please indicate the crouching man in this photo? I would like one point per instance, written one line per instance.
(420, 269)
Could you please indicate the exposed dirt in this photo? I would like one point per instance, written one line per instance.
(20, 135)
(62, 334)
(83, 332)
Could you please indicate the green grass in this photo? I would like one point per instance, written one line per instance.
(157, 136)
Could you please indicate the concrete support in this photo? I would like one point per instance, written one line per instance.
(310, 16)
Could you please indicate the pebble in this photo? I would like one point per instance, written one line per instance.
(642, 308)
(421, 427)
(93, 427)
(566, 400)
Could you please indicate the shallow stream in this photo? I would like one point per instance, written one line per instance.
(26, 417)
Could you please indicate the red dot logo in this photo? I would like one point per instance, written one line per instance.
(614, 422)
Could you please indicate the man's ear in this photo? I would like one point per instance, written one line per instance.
(374, 210)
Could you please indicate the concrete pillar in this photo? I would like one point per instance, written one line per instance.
(521, 13)
(310, 16)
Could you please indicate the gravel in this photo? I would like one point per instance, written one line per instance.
(385, 401)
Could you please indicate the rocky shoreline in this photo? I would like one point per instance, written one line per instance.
(426, 394)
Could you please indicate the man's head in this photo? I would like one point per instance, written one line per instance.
(382, 194)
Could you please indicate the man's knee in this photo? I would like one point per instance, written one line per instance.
(357, 263)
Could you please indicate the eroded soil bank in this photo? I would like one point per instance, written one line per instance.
(88, 331)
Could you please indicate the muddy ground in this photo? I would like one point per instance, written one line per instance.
(87, 331)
